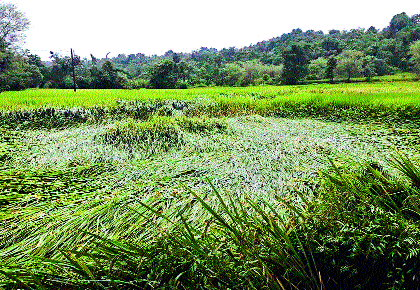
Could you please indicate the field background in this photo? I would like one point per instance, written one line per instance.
(388, 93)
(165, 179)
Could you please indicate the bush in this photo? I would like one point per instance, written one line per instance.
(415, 56)
(164, 75)
(138, 84)
(317, 69)
(181, 85)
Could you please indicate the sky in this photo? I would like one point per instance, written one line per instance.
(156, 26)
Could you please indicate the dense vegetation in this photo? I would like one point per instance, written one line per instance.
(185, 189)
(391, 100)
(291, 58)
(315, 186)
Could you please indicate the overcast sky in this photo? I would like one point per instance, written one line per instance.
(156, 26)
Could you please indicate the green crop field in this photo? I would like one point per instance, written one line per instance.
(398, 93)
(298, 187)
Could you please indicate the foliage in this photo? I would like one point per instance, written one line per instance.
(415, 56)
(17, 73)
(13, 24)
(114, 197)
(164, 75)
(388, 99)
(368, 67)
(358, 224)
(295, 65)
(317, 69)
(234, 75)
(138, 84)
(17, 70)
(159, 132)
(349, 64)
(367, 228)
(103, 204)
(331, 66)
(398, 22)
(109, 77)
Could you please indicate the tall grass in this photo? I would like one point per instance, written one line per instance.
(389, 110)
(386, 102)
(358, 231)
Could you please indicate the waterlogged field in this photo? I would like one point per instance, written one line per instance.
(265, 156)
(242, 188)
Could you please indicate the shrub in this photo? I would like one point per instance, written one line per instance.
(181, 85)
(139, 84)
(415, 56)
(317, 69)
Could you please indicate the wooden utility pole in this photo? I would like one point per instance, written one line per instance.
(72, 65)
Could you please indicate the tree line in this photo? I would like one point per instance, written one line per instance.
(289, 59)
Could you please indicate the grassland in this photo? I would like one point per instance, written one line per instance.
(385, 101)
(211, 188)
(392, 93)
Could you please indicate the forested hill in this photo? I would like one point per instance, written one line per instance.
(287, 59)
(389, 47)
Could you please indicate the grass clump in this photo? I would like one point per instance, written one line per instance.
(157, 130)
(202, 125)
(364, 228)
(64, 117)
(162, 132)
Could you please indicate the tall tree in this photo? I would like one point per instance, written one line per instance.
(164, 75)
(59, 72)
(109, 76)
(415, 19)
(398, 22)
(368, 67)
(317, 68)
(17, 70)
(331, 65)
(17, 73)
(13, 24)
(295, 65)
(350, 64)
(415, 56)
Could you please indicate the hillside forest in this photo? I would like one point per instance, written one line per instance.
(292, 58)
